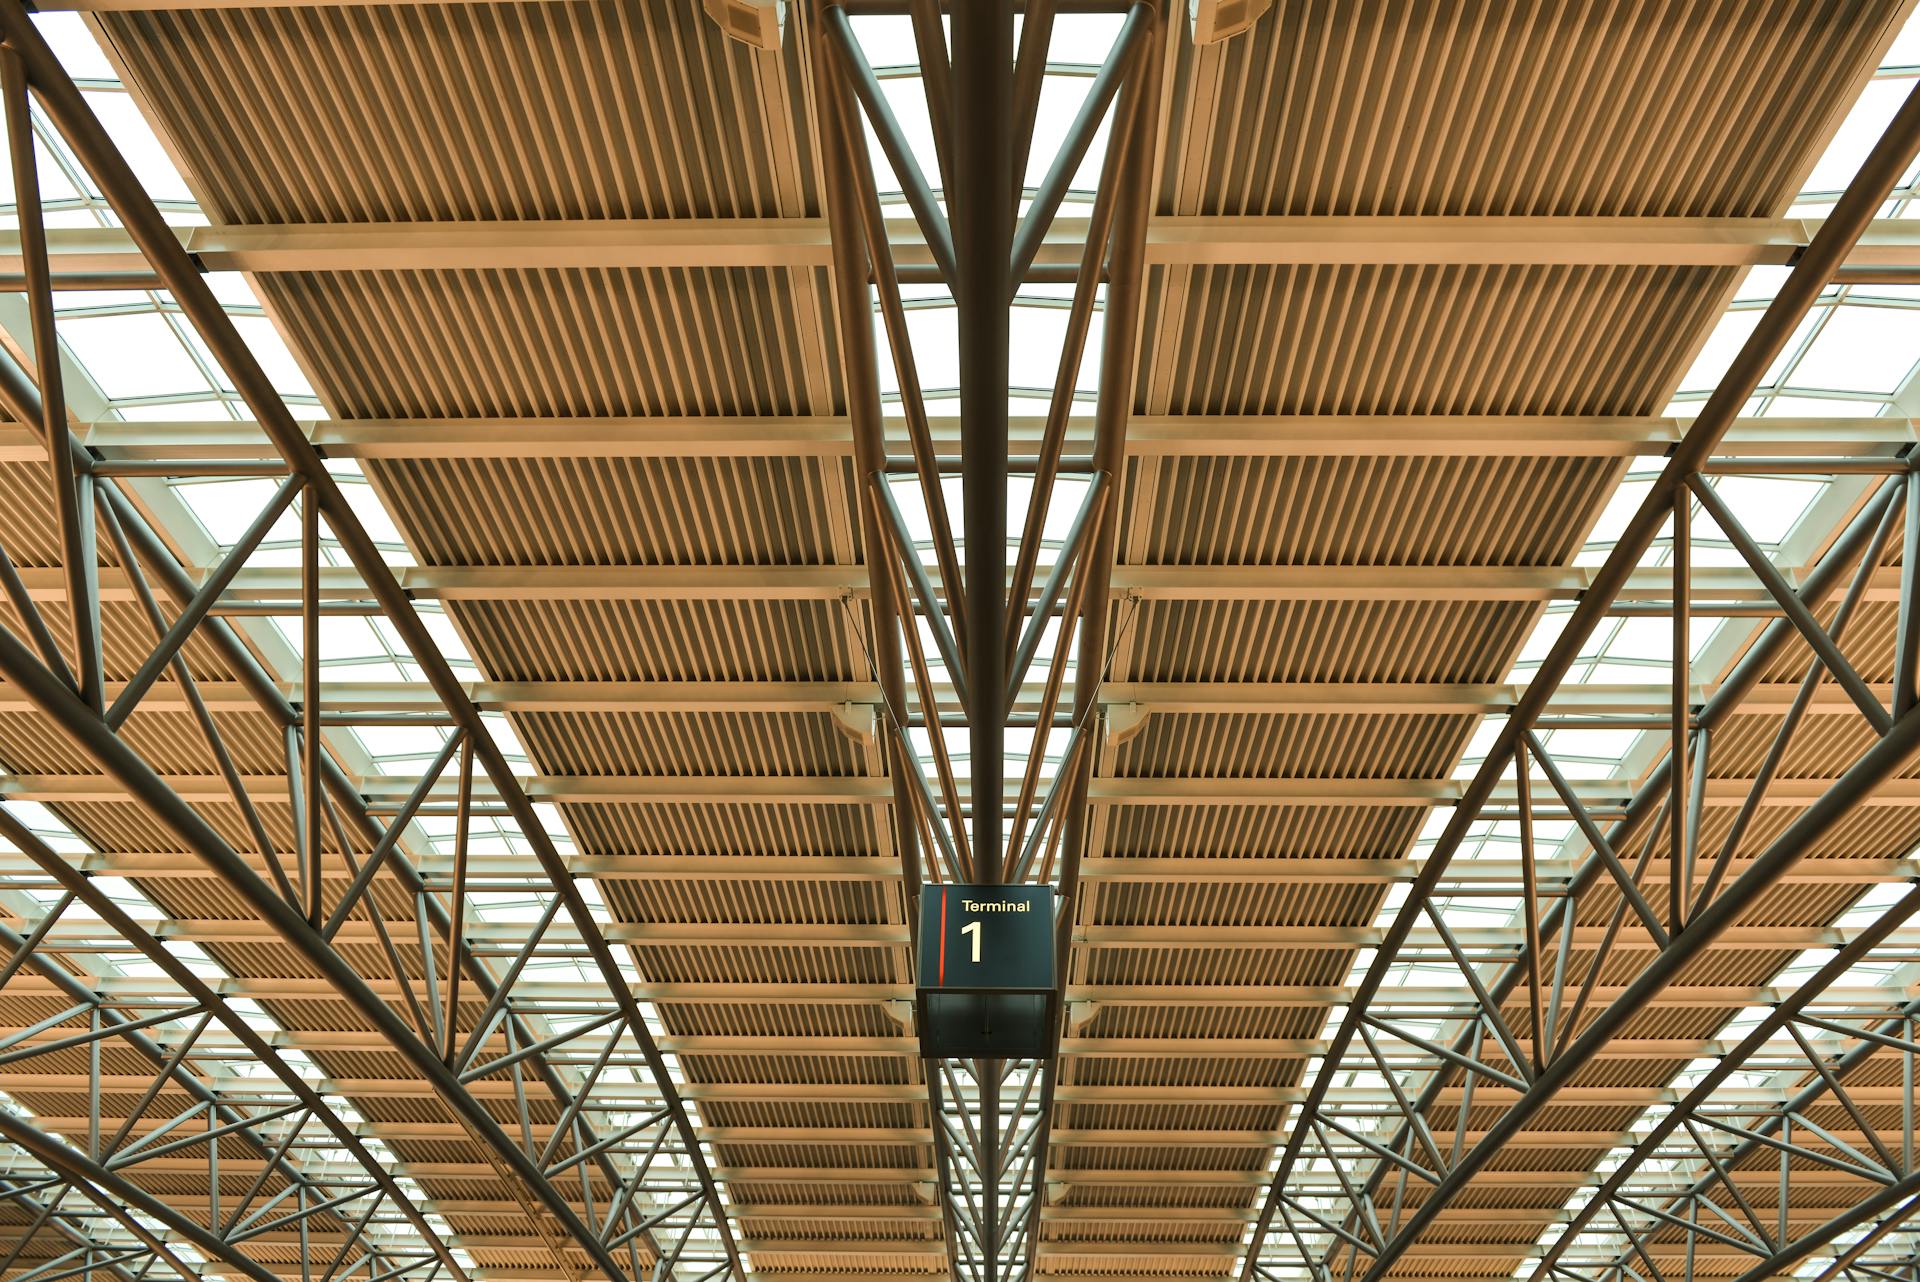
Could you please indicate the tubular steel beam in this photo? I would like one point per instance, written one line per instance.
(983, 240)
(1853, 213)
(1135, 132)
(1786, 1008)
(1053, 187)
(20, 398)
(121, 1199)
(854, 310)
(88, 892)
(69, 112)
(73, 510)
(989, 1129)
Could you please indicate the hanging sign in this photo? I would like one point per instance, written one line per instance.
(987, 987)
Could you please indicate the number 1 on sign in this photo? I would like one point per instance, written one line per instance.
(973, 928)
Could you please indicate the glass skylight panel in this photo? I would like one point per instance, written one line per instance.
(133, 355)
(1038, 334)
(75, 46)
(117, 335)
(373, 514)
(1768, 507)
(934, 333)
(271, 351)
(908, 101)
(1864, 124)
(1061, 98)
(1861, 349)
(138, 144)
(1823, 407)
(1729, 333)
(887, 40)
(225, 508)
(230, 288)
(55, 187)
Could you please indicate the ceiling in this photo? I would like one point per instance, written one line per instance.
(1429, 292)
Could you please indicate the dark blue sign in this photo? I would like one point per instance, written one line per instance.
(986, 976)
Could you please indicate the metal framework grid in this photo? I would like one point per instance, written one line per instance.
(734, 664)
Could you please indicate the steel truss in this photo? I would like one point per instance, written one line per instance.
(988, 613)
(1357, 1185)
(611, 1187)
(273, 1129)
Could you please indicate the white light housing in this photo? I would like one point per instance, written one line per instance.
(1217, 20)
(754, 22)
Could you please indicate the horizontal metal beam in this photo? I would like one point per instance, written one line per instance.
(1326, 698)
(532, 995)
(1157, 1248)
(862, 1045)
(1148, 436)
(1291, 870)
(1495, 939)
(804, 242)
(1600, 795)
(501, 867)
(1513, 241)
(240, 1089)
(389, 792)
(758, 1211)
(1528, 583)
(385, 793)
(1523, 583)
(832, 790)
(1334, 698)
(513, 583)
(520, 696)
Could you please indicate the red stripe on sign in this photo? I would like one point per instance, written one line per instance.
(943, 935)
